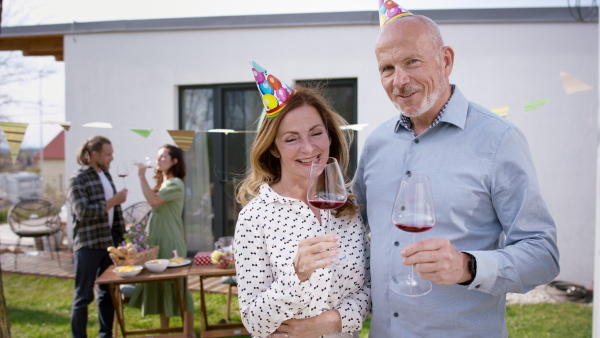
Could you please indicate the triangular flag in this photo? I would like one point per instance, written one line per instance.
(142, 132)
(529, 106)
(64, 124)
(502, 111)
(14, 133)
(573, 85)
(98, 125)
(183, 138)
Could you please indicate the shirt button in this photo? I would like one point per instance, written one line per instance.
(408, 173)
(416, 140)
(477, 286)
(395, 314)
(396, 243)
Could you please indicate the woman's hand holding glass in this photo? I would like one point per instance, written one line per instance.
(315, 253)
(141, 169)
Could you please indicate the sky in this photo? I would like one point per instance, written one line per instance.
(42, 100)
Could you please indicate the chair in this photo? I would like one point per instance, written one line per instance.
(137, 213)
(232, 282)
(35, 218)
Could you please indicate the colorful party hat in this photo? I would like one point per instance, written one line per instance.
(389, 10)
(275, 94)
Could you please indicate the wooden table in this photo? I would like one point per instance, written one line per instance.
(217, 330)
(146, 276)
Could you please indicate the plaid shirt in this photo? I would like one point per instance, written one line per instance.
(88, 207)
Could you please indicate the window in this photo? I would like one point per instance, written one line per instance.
(216, 162)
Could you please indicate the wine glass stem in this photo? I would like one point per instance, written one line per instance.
(411, 276)
(124, 185)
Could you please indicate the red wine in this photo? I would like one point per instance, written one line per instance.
(413, 227)
(321, 204)
(123, 176)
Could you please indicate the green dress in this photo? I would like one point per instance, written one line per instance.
(166, 231)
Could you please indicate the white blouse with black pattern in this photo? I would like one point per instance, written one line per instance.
(266, 241)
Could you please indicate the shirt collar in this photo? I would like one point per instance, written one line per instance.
(267, 194)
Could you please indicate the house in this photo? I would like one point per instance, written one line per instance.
(19, 186)
(194, 74)
(53, 166)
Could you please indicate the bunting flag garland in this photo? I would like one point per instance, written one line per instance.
(573, 85)
(14, 133)
(142, 132)
(183, 138)
(529, 106)
(502, 111)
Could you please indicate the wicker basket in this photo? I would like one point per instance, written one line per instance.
(138, 258)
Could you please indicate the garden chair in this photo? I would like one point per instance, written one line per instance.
(35, 218)
(137, 213)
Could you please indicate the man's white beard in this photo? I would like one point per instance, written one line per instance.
(429, 101)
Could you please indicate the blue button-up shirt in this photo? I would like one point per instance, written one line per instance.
(488, 203)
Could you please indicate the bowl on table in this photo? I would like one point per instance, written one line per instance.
(128, 270)
(157, 265)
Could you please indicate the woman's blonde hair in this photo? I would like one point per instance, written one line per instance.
(266, 168)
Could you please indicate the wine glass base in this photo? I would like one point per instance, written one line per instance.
(403, 286)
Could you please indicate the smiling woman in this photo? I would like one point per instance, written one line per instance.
(277, 217)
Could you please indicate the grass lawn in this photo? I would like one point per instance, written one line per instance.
(41, 306)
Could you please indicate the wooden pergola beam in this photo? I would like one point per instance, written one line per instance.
(47, 45)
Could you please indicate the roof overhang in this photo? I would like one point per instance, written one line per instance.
(40, 45)
(48, 39)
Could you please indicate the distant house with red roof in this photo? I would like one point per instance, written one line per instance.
(53, 168)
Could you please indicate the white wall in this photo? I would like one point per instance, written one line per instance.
(131, 79)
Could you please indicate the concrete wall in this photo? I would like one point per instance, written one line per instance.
(130, 80)
(53, 176)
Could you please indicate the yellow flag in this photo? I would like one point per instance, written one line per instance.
(183, 138)
(502, 111)
(14, 133)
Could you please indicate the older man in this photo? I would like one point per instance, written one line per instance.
(493, 234)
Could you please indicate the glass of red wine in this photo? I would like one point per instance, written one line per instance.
(122, 171)
(327, 189)
(413, 212)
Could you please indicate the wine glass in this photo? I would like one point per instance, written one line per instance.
(122, 171)
(327, 189)
(148, 162)
(413, 212)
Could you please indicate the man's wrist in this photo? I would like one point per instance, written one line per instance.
(472, 268)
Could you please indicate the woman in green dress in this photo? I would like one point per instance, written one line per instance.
(166, 231)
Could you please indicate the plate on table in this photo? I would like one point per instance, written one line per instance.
(174, 265)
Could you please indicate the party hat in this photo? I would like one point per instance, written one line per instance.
(389, 10)
(275, 94)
